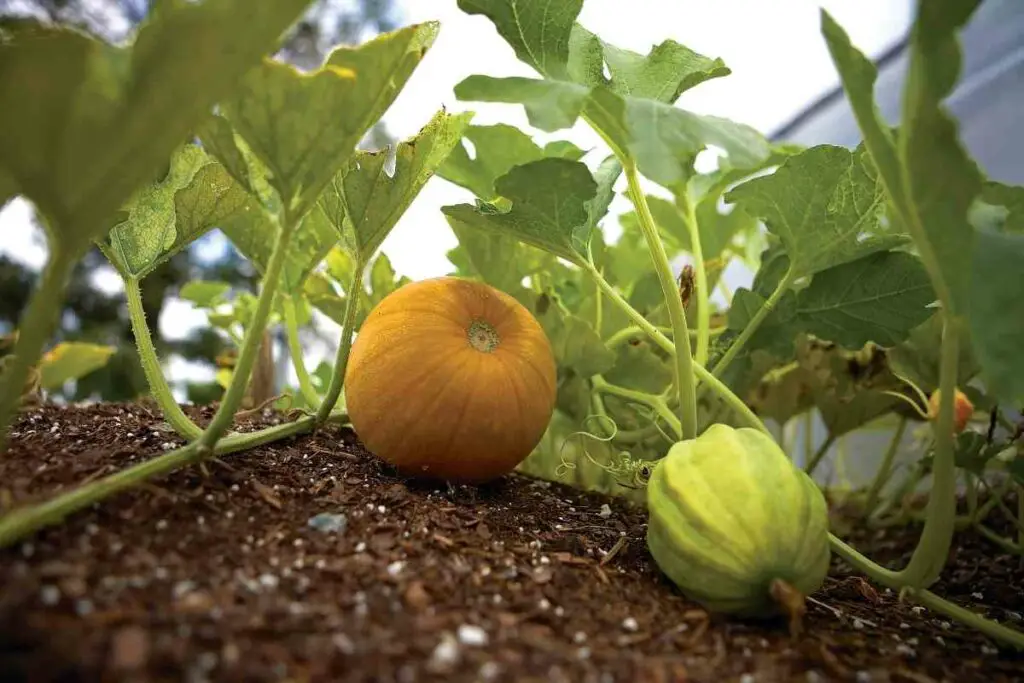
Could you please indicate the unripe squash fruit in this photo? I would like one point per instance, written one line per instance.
(450, 379)
(963, 409)
(733, 523)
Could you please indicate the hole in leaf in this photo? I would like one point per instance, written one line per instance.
(390, 161)
(470, 148)
(605, 70)
(706, 160)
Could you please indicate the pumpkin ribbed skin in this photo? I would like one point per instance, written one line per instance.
(450, 379)
(730, 514)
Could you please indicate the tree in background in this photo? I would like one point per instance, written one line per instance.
(92, 315)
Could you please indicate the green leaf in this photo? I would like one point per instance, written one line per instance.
(163, 218)
(308, 246)
(632, 107)
(498, 149)
(858, 75)
(333, 306)
(383, 280)
(879, 298)
(305, 126)
(71, 360)
(549, 105)
(670, 222)
(341, 266)
(664, 74)
(607, 174)
(824, 204)
(499, 260)
(659, 136)
(918, 357)
(87, 123)
(237, 158)
(149, 227)
(777, 332)
(936, 183)
(638, 367)
(943, 181)
(549, 207)
(626, 260)
(575, 344)
(544, 34)
(363, 202)
(563, 149)
(205, 293)
(973, 451)
(537, 30)
(663, 138)
(1010, 199)
(997, 312)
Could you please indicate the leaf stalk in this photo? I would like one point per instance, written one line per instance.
(700, 276)
(158, 387)
(752, 326)
(353, 292)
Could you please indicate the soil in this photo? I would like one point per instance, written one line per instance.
(219, 575)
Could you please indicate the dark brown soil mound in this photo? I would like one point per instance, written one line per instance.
(230, 575)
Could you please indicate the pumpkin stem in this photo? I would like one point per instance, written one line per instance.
(792, 602)
(482, 336)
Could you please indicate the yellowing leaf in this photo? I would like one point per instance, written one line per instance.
(71, 360)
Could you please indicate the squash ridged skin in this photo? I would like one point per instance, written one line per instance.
(424, 395)
(729, 514)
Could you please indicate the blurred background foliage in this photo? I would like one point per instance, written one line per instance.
(99, 316)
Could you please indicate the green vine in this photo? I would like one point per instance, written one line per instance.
(253, 337)
(683, 355)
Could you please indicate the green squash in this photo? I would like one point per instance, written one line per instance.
(736, 526)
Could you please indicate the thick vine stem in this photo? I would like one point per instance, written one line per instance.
(158, 386)
(35, 326)
(700, 275)
(895, 581)
(295, 351)
(685, 384)
(253, 337)
(752, 326)
(929, 557)
(344, 344)
(715, 384)
(19, 523)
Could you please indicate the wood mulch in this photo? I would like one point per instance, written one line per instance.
(308, 560)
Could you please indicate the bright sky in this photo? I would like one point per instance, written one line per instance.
(778, 58)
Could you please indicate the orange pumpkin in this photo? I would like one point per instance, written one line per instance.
(450, 379)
